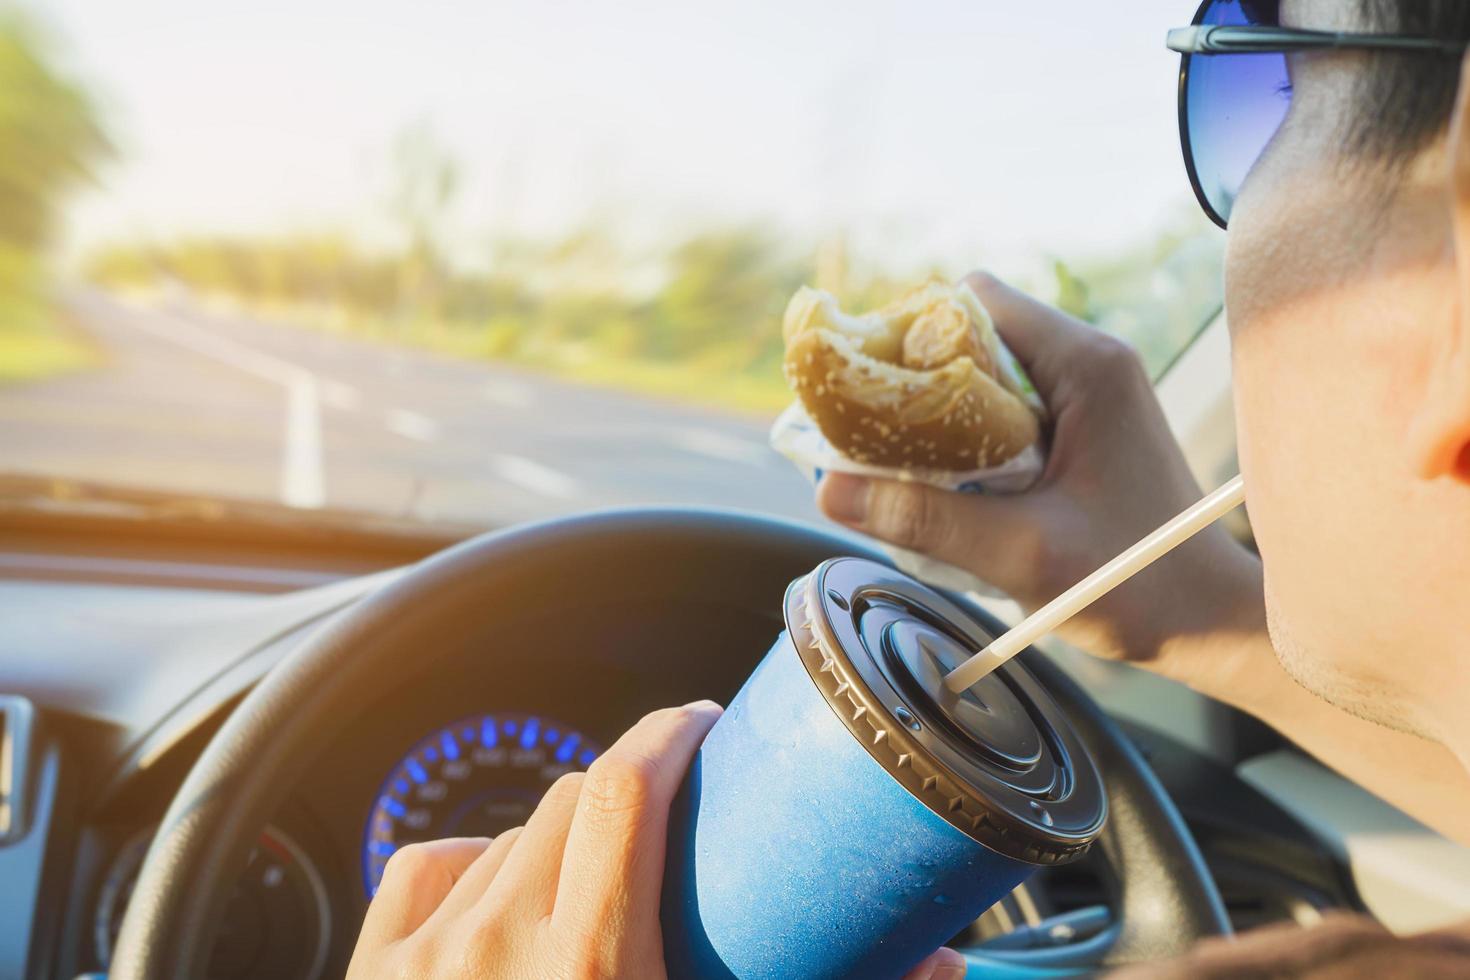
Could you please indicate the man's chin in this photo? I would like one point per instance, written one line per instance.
(1365, 699)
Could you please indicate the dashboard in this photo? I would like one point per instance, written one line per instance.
(395, 778)
(133, 663)
(132, 678)
(467, 752)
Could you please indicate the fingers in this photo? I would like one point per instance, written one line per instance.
(531, 868)
(942, 964)
(985, 535)
(612, 874)
(1054, 348)
(416, 880)
(478, 876)
(1030, 328)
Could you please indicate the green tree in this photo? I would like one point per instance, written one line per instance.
(50, 140)
(50, 137)
(725, 290)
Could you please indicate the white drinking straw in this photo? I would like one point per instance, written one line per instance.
(1098, 584)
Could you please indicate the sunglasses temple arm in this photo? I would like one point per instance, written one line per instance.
(1230, 39)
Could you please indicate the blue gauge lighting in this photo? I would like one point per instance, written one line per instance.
(478, 776)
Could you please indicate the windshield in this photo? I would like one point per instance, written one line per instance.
(491, 262)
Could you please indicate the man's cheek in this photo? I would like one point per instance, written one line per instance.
(1263, 398)
(1290, 451)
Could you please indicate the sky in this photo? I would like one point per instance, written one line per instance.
(959, 132)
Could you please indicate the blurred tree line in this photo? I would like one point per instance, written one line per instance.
(700, 319)
(713, 308)
(50, 141)
(712, 316)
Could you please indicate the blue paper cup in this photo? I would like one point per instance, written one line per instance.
(846, 816)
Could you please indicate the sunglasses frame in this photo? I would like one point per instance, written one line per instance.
(1213, 39)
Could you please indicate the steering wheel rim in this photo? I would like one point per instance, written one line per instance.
(248, 769)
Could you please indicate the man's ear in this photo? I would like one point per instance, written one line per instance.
(1440, 435)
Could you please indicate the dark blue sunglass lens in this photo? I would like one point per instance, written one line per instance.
(1234, 103)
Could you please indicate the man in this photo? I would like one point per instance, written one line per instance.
(1348, 294)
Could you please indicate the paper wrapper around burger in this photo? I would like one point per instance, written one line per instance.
(798, 437)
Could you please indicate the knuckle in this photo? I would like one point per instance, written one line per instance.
(911, 516)
(508, 837)
(620, 782)
(479, 947)
(582, 958)
(413, 863)
(422, 959)
(409, 959)
(425, 953)
(1114, 358)
(1055, 566)
(566, 790)
(1032, 548)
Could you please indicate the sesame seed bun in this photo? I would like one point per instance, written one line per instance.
(912, 385)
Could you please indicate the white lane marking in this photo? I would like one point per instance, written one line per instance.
(718, 445)
(303, 482)
(411, 425)
(340, 396)
(508, 394)
(533, 476)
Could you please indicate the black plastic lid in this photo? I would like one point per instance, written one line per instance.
(999, 762)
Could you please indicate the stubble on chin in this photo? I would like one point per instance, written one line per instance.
(1367, 700)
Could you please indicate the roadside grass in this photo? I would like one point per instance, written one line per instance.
(35, 346)
(690, 382)
(713, 379)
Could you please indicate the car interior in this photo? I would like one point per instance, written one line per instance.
(134, 626)
(231, 686)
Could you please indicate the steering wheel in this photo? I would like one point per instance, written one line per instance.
(1164, 896)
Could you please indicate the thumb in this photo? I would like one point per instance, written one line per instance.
(942, 964)
(953, 527)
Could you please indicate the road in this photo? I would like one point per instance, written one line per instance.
(203, 402)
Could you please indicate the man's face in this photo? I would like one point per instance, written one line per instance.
(1341, 293)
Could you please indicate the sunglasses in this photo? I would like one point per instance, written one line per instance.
(1234, 88)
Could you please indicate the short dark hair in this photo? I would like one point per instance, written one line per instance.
(1405, 99)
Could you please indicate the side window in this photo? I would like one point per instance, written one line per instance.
(1156, 295)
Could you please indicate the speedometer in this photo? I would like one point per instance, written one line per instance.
(478, 777)
(277, 923)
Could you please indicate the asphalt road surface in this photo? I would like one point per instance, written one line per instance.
(206, 403)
